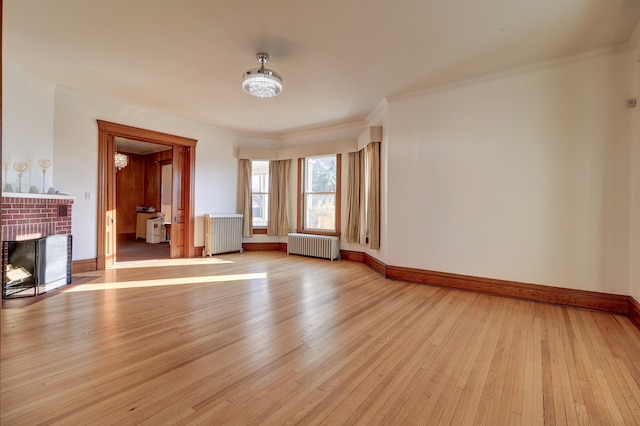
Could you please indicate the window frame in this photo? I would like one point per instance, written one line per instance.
(300, 228)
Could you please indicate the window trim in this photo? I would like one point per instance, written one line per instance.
(300, 213)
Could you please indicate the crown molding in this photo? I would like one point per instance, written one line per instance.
(492, 76)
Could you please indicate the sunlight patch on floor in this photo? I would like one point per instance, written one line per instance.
(166, 282)
(193, 261)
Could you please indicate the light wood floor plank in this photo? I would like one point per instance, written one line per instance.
(271, 339)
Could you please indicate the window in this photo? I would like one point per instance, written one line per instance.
(319, 209)
(260, 193)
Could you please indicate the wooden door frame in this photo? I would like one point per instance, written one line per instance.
(107, 132)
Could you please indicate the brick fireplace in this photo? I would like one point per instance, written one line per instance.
(29, 216)
(36, 243)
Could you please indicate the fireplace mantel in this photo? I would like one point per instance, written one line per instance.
(6, 195)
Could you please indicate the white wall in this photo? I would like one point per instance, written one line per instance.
(27, 125)
(76, 154)
(523, 177)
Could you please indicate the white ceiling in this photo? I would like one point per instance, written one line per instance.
(338, 58)
(138, 147)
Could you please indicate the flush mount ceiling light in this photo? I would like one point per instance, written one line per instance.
(262, 82)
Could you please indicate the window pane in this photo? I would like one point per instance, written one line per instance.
(259, 192)
(321, 174)
(320, 211)
(259, 176)
(259, 203)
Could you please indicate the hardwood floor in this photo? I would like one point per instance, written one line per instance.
(135, 250)
(266, 338)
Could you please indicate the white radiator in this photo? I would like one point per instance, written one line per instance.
(314, 245)
(222, 234)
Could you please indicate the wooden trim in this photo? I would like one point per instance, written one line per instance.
(144, 134)
(86, 265)
(106, 183)
(634, 311)
(191, 202)
(604, 302)
(260, 231)
(105, 164)
(197, 251)
(596, 301)
(299, 206)
(326, 234)
(352, 256)
(376, 265)
(266, 246)
(338, 222)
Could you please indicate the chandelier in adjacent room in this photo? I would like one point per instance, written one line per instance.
(262, 82)
(121, 161)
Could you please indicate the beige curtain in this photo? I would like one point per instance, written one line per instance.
(363, 196)
(363, 230)
(354, 191)
(373, 204)
(243, 197)
(278, 185)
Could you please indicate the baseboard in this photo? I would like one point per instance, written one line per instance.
(634, 311)
(271, 246)
(352, 256)
(86, 265)
(376, 265)
(603, 302)
(197, 251)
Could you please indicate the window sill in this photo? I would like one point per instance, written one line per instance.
(260, 231)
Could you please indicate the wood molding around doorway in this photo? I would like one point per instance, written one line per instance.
(184, 164)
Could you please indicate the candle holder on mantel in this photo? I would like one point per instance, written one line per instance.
(7, 186)
(45, 165)
(20, 167)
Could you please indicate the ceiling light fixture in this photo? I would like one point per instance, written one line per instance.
(262, 82)
(121, 161)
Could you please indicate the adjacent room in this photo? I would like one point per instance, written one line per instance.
(358, 212)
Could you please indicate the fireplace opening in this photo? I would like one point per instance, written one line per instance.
(32, 267)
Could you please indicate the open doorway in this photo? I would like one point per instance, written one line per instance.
(143, 200)
(182, 160)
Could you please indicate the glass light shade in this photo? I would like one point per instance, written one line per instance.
(262, 83)
(120, 161)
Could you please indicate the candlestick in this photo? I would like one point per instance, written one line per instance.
(20, 167)
(45, 165)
